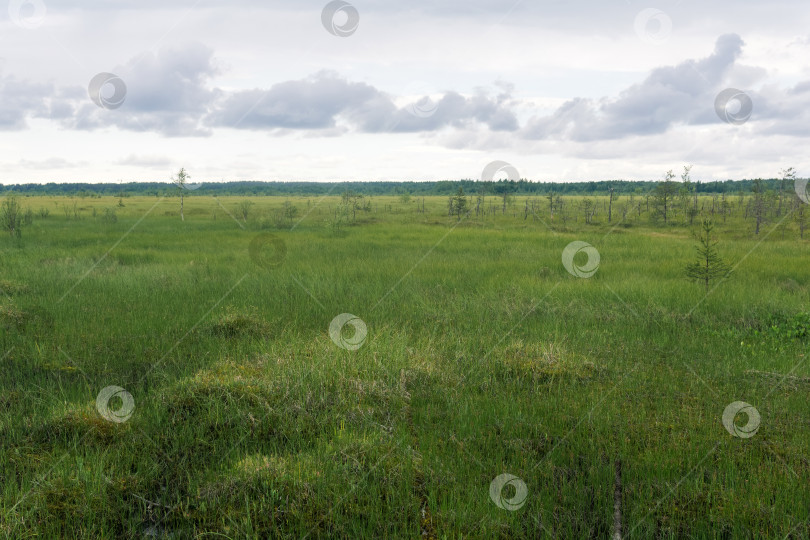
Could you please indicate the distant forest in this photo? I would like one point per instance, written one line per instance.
(444, 187)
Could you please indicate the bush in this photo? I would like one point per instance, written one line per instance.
(109, 216)
(795, 326)
(10, 218)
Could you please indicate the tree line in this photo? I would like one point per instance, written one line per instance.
(442, 187)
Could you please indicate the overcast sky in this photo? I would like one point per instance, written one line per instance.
(131, 90)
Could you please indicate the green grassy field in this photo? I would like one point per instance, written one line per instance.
(482, 356)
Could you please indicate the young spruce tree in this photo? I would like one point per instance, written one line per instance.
(709, 265)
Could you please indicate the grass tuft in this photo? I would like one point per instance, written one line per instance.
(78, 424)
(11, 288)
(541, 362)
(235, 323)
(12, 317)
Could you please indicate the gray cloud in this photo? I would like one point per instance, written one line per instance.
(325, 99)
(167, 93)
(681, 94)
(20, 100)
(312, 103)
(784, 111)
(150, 161)
(171, 92)
(49, 164)
(453, 110)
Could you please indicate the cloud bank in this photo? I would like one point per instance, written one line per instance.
(171, 93)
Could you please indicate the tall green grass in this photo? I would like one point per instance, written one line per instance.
(483, 356)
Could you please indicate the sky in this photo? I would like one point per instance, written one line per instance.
(560, 90)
